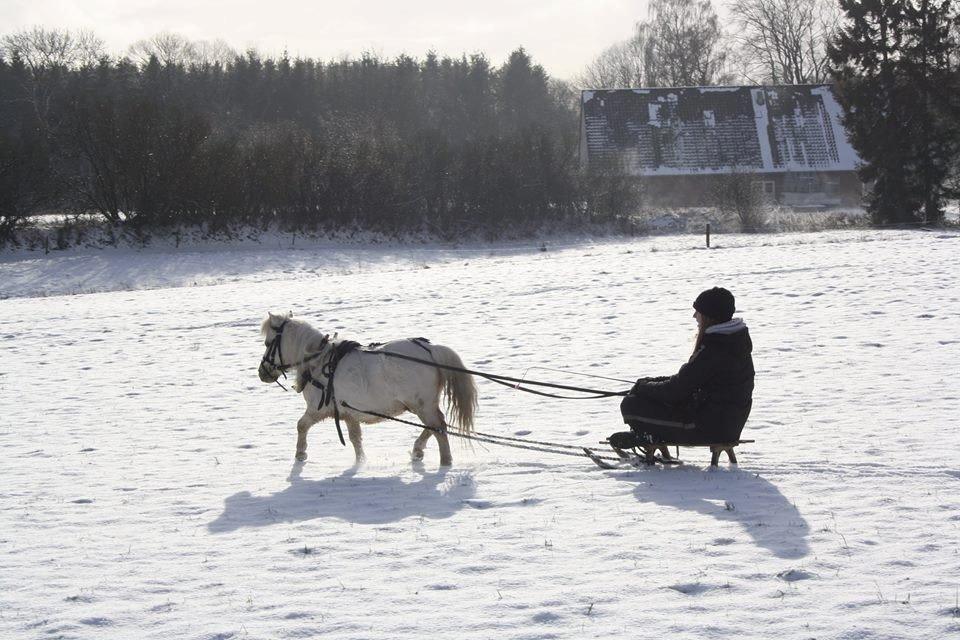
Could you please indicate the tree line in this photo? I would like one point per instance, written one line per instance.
(445, 145)
(191, 132)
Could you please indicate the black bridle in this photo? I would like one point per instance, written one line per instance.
(273, 349)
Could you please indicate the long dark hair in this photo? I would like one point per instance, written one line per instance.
(701, 331)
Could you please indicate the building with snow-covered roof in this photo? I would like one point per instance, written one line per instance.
(788, 138)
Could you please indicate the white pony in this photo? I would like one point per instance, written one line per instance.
(367, 380)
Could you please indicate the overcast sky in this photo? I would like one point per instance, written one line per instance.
(561, 35)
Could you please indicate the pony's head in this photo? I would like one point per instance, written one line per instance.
(272, 364)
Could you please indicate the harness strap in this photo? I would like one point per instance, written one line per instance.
(328, 370)
(336, 421)
(422, 343)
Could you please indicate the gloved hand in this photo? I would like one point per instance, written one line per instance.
(642, 382)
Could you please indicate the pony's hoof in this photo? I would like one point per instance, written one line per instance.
(301, 456)
(446, 463)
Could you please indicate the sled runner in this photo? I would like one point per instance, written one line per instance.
(648, 455)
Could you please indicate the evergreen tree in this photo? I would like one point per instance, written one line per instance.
(891, 64)
(451, 145)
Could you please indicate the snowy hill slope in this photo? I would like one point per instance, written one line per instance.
(149, 488)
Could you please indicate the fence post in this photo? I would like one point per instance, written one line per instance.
(708, 235)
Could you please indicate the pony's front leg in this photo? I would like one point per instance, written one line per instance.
(303, 426)
(356, 439)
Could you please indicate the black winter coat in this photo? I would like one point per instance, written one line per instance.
(717, 383)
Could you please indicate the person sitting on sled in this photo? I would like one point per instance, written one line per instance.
(709, 399)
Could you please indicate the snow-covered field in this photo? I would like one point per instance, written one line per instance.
(149, 491)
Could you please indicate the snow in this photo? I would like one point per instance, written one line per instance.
(846, 156)
(149, 487)
(761, 117)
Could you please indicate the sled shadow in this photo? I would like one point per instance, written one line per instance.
(361, 500)
(731, 495)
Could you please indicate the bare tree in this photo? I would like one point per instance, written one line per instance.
(45, 53)
(623, 64)
(685, 44)
(737, 194)
(783, 41)
(172, 48)
(41, 48)
(213, 52)
(681, 44)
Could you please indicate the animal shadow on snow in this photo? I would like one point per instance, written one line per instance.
(745, 498)
(361, 500)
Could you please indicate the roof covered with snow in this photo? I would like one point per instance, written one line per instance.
(676, 131)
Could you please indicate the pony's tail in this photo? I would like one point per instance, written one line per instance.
(459, 388)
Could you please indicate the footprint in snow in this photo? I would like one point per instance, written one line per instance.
(522, 432)
(794, 575)
(79, 598)
(582, 432)
(295, 615)
(97, 622)
(545, 616)
(691, 588)
(478, 504)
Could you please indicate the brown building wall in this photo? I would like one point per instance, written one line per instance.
(825, 189)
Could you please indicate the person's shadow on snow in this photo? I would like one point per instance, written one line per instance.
(361, 500)
(730, 495)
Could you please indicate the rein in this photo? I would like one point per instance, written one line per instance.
(506, 380)
(492, 377)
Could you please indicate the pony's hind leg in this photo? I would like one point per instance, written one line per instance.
(306, 421)
(420, 443)
(433, 418)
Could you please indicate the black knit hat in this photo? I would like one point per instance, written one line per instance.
(716, 303)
